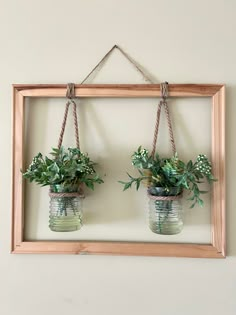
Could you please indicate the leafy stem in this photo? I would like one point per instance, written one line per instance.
(171, 172)
(67, 167)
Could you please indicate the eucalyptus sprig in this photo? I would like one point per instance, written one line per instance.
(171, 172)
(67, 167)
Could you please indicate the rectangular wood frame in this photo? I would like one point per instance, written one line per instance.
(218, 244)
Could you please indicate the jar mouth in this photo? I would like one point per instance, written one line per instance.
(61, 188)
(163, 191)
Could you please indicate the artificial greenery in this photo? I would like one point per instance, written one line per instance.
(171, 172)
(66, 167)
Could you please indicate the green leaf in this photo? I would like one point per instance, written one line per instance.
(189, 164)
(137, 184)
(126, 186)
(121, 182)
(200, 202)
(62, 168)
(89, 184)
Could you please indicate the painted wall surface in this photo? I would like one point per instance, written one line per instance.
(59, 42)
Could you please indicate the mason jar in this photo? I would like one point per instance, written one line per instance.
(165, 216)
(65, 210)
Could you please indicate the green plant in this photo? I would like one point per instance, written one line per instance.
(171, 172)
(66, 167)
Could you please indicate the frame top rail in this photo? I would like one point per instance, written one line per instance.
(118, 90)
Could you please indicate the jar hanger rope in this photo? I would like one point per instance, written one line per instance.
(70, 93)
(163, 102)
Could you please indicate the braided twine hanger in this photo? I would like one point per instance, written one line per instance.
(163, 103)
(70, 94)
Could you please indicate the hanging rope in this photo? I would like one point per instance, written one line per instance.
(170, 128)
(163, 102)
(133, 62)
(70, 94)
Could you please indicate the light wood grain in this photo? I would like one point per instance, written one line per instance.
(119, 90)
(17, 200)
(214, 250)
(218, 158)
(120, 248)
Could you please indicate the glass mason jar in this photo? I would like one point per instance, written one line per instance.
(165, 216)
(65, 212)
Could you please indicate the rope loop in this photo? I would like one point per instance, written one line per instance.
(70, 94)
(163, 102)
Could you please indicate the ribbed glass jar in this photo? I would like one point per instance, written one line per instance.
(65, 212)
(165, 216)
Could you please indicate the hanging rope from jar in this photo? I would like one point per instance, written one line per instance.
(70, 94)
(163, 103)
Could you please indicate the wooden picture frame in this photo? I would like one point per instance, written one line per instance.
(218, 244)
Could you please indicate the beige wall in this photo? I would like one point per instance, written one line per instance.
(60, 41)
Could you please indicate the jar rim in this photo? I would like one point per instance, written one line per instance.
(163, 191)
(61, 188)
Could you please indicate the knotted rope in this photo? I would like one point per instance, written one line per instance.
(70, 94)
(163, 102)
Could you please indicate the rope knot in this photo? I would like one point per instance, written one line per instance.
(164, 90)
(70, 92)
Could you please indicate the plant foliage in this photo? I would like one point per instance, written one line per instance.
(171, 172)
(67, 167)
